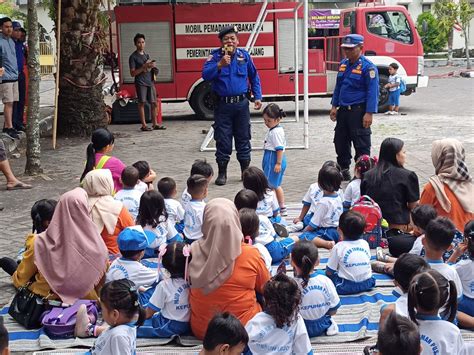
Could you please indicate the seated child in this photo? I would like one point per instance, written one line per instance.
(41, 214)
(169, 305)
(224, 335)
(167, 187)
(322, 228)
(146, 175)
(310, 199)
(130, 194)
(278, 249)
(427, 293)
(120, 308)
(194, 209)
(280, 326)
(199, 167)
(406, 266)
(320, 300)
(421, 215)
(439, 235)
(250, 222)
(352, 194)
(398, 335)
(349, 262)
(465, 270)
(4, 350)
(254, 179)
(132, 242)
(152, 216)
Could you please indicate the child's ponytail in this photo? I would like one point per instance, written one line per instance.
(90, 162)
(452, 303)
(305, 256)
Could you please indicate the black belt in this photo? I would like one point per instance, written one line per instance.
(352, 107)
(232, 99)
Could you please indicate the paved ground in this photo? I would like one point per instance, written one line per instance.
(442, 110)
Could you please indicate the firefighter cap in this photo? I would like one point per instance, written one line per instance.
(227, 30)
(352, 40)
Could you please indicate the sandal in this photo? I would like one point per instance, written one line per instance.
(19, 186)
(281, 230)
(159, 128)
(146, 129)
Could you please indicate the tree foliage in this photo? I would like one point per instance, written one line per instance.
(433, 39)
(8, 8)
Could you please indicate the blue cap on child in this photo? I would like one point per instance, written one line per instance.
(135, 238)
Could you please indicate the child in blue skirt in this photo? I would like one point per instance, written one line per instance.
(274, 158)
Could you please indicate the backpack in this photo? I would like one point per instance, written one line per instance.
(403, 85)
(373, 219)
(60, 322)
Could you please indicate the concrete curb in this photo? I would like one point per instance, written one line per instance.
(442, 62)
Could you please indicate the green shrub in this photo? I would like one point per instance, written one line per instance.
(433, 39)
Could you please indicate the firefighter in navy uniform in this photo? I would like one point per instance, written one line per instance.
(230, 70)
(354, 102)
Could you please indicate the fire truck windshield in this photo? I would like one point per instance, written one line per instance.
(390, 24)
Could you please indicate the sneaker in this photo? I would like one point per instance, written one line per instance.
(394, 113)
(371, 349)
(82, 322)
(11, 132)
(281, 230)
(333, 328)
(388, 113)
(283, 211)
(346, 175)
(293, 228)
(380, 256)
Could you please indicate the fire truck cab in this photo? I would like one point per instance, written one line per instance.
(180, 37)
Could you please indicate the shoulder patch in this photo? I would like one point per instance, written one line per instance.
(209, 58)
(372, 73)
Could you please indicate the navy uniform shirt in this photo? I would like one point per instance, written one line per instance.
(232, 80)
(357, 84)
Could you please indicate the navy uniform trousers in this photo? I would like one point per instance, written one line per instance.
(349, 130)
(232, 119)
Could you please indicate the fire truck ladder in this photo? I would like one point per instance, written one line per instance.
(251, 42)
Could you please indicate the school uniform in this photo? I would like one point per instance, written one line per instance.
(130, 198)
(165, 232)
(465, 270)
(278, 249)
(264, 253)
(193, 217)
(449, 272)
(319, 298)
(142, 186)
(266, 338)
(325, 219)
(275, 141)
(311, 199)
(269, 206)
(171, 303)
(134, 271)
(417, 247)
(121, 339)
(185, 198)
(352, 193)
(175, 213)
(394, 92)
(349, 263)
(401, 304)
(439, 336)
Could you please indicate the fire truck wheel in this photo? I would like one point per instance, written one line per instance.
(383, 93)
(202, 102)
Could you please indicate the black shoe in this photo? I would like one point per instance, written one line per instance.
(20, 128)
(11, 132)
(222, 176)
(8, 265)
(244, 164)
(346, 175)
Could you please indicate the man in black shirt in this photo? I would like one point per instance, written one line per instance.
(142, 68)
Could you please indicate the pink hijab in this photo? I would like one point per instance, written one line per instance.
(71, 254)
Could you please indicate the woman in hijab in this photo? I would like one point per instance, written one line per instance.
(224, 272)
(451, 190)
(110, 216)
(67, 261)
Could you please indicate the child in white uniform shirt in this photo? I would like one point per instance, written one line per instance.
(274, 158)
(349, 262)
(130, 194)
(322, 228)
(199, 167)
(427, 293)
(132, 242)
(146, 175)
(174, 209)
(320, 300)
(266, 235)
(194, 210)
(352, 193)
(169, 308)
(254, 179)
(279, 329)
(152, 216)
(120, 306)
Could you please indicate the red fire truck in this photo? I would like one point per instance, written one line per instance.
(181, 36)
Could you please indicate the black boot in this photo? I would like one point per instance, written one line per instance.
(244, 164)
(222, 177)
(346, 175)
